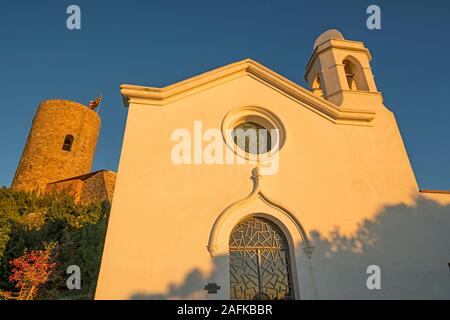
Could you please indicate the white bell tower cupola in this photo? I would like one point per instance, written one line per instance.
(339, 71)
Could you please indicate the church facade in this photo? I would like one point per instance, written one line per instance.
(325, 207)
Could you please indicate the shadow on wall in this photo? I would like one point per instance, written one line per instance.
(411, 245)
(193, 284)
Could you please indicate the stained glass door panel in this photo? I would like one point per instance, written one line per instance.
(259, 262)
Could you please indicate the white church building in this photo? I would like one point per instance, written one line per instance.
(326, 207)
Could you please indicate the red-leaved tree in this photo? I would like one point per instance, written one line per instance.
(31, 270)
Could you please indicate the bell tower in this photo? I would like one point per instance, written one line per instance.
(339, 71)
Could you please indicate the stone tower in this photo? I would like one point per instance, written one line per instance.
(61, 144)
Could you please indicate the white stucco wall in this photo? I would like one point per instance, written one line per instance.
(355, 179)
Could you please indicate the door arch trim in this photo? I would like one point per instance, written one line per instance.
(217, 229)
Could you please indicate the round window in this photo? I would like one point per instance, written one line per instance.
(253, 132)
(252, 138)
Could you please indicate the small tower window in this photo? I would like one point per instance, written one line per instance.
(317, 87)
(68, 141)
(350, 75)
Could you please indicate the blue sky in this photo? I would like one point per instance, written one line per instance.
(156, 43)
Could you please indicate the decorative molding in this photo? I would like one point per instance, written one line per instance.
(435, 191)
(261, 116)
(163, 96)
(256, 192)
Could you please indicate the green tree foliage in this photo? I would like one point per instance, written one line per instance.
(27, 220)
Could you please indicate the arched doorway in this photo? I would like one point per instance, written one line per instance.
(260, 267)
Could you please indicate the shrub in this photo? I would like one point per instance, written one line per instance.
(27, 220)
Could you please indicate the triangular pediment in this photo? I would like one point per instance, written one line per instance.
(162, 96)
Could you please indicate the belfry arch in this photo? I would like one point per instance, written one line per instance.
(354, 73)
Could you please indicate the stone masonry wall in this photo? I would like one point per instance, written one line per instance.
(43, 160)
(73, 187)
(99, 187)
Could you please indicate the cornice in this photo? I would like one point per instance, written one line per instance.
(162, 96)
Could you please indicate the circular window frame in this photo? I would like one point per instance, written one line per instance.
(260, 116)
